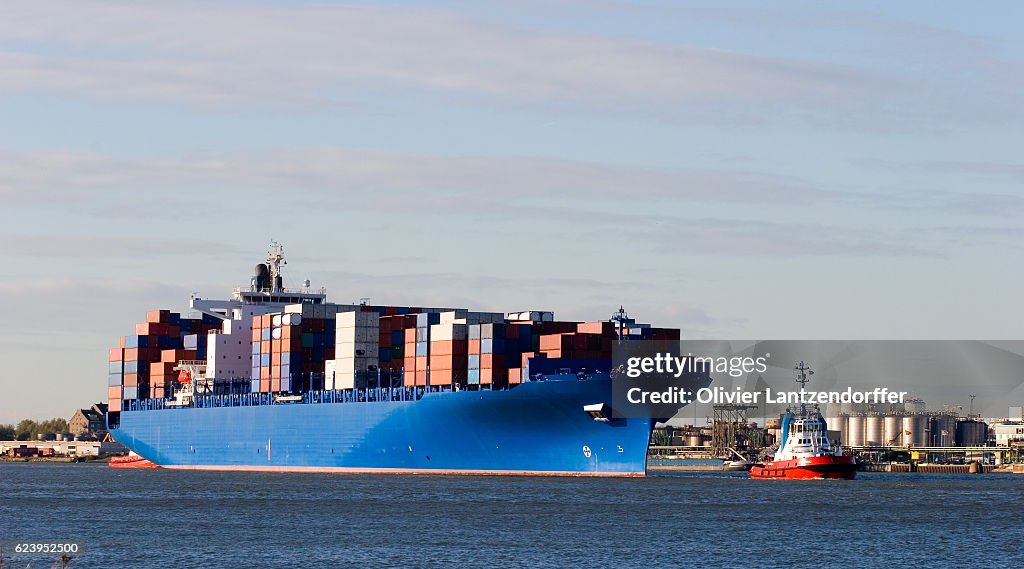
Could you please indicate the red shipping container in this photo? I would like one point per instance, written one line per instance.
(115, 355)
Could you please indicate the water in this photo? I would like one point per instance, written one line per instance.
(162, 518)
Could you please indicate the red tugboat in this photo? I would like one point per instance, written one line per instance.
(806, 451)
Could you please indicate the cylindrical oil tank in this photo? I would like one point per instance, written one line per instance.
(892, 430)
(943, 430)
(971, 433)
(855, 432)
(873, 425)
(836, 428)
(915, 430)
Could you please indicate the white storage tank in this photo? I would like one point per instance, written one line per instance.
(855, 435)
(873, 427)
(892, 430)
(837, 425)
(915, 430)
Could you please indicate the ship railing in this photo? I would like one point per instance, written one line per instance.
(251, 399)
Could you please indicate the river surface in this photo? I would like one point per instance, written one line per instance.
(164, 518)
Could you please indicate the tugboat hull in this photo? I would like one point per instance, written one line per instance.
(826, 467)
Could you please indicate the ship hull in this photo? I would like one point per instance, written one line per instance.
(537, 428)
(816, 467)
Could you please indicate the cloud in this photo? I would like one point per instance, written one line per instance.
(712, 212)
(93, 246)
(363, 176)
(218, 55)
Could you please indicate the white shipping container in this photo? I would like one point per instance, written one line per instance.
(358, 319)
(344, 380)
(449, 317)
(353, 350)
(448, 332)
(349, 335)
(348, 365)
(304, 309)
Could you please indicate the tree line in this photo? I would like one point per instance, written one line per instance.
(28, 429)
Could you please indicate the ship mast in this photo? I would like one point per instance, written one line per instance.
(802, 378)
(275, 258)
(620, 319)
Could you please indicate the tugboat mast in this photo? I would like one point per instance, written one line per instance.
(802, 378)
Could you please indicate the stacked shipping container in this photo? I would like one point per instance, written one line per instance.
(293, 349)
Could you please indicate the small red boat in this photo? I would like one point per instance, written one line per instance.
(131, 460)
(805, 451)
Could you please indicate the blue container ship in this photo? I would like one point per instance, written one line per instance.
(542, 406)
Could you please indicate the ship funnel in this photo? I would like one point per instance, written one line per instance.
(261, 278)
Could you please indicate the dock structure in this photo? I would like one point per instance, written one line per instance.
(730, 429)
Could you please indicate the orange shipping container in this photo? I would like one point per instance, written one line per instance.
(555, 341)
(441, 348)
(115, 355)
(410, 335)
(497, 376)
(421, 377)
(410, 363)
(275, 384)
(474, 346)
(515, 375)
(158, 316)
(421, 364)
(264, 375)
(265, 384)
(441, 376)
(257, 334)
(147, 328)
(131, 379)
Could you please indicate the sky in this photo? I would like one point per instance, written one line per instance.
(814, 170)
